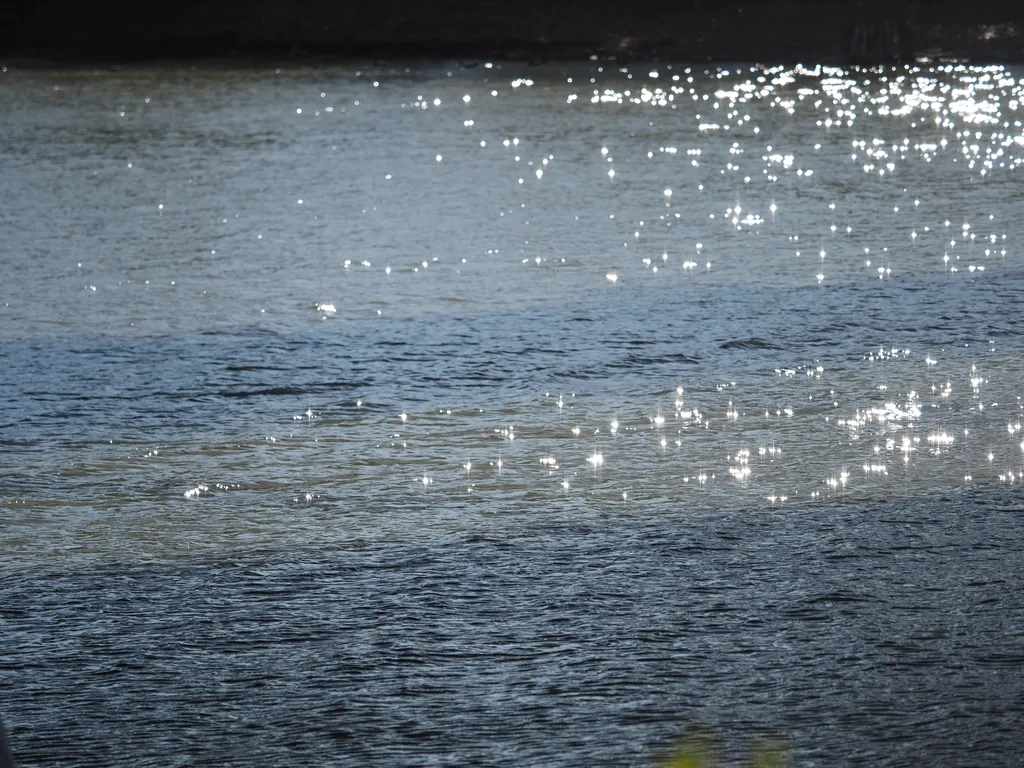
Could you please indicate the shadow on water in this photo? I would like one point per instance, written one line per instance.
(6, 761)
(697, 747)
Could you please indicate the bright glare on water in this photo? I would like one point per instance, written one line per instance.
(289, 319)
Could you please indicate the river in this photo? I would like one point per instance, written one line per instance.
(493, 414)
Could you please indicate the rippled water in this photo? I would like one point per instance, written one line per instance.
(510, 415)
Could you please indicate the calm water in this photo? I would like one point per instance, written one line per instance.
(509, 415)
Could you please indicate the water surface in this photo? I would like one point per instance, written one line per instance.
(497, 414)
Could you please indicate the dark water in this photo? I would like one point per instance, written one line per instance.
(542, 428)
(870, 633)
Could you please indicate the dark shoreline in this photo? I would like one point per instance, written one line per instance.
(826, 31)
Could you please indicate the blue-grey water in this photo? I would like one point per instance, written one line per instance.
(511, 415)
